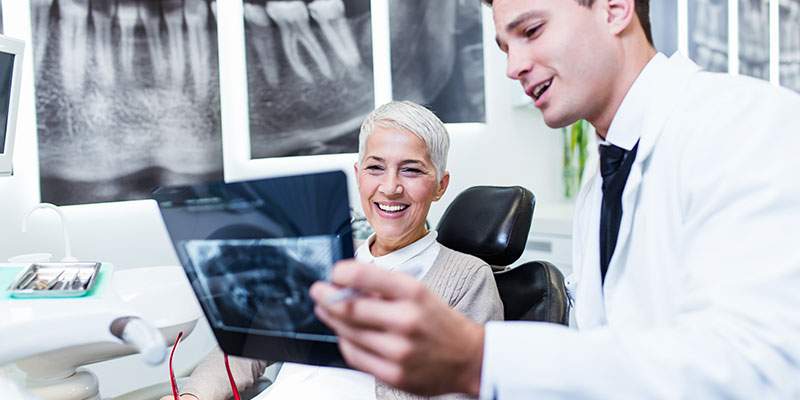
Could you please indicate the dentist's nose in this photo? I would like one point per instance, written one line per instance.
(518, 64)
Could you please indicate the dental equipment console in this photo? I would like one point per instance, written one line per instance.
(251, 251)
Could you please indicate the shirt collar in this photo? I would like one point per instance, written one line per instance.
(397, 257)
(626, 127)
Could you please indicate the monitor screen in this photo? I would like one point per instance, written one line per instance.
(6, 73)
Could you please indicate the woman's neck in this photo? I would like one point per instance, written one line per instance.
(380, 247)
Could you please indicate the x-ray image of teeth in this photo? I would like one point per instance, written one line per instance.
(790, 44)
(263, 284)
(437, 56)
(754, 38)
(127, 97)
(664, 25)
(309, 75)
(708, 34)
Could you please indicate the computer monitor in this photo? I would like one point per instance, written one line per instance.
(11, 51)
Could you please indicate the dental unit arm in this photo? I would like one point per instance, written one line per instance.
(147, 340)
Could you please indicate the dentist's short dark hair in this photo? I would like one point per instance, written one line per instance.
(642, 11)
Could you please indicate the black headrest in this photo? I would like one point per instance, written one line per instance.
(489, 222)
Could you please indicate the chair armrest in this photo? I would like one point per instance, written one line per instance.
(533, 291)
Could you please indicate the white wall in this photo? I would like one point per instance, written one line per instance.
(514, 147)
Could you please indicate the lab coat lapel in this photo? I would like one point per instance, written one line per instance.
(666, 99)
(589, 308)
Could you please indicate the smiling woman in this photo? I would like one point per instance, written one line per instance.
(401, 171)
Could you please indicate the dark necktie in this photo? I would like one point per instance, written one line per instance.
(615, 166)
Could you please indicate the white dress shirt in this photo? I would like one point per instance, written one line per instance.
(299, 381)
(702, 293)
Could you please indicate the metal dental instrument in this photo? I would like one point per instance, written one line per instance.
(75, 283)
(52, 283)
(27, 280)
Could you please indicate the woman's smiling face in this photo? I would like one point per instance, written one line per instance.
(397, 183)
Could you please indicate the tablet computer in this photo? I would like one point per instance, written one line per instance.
(251, 251)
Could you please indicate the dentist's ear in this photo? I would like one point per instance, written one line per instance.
(620, 15)
(442, 186)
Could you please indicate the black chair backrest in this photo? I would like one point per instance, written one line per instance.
(489, 222)
(492, 223)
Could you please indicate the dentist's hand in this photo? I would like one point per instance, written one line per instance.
(401, 332)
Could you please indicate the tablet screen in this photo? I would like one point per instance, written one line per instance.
(261, 286)
(251, 250)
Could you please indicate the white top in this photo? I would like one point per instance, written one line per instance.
(299, 381)
(701, 296)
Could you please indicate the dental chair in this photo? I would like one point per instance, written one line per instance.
(492, 223)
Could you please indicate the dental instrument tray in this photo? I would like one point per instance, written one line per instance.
(63, 279)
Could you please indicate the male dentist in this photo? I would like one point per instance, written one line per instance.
(686, 240)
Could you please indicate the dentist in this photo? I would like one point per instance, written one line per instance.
(687, 268)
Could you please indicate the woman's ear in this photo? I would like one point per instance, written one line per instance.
(620, 14)
(442, 186)
(355, 168)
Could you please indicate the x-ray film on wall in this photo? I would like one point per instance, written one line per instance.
(437, 57)
(708, 34)
(790, 44)
(127, 97)
(309, 75)
(754, 38)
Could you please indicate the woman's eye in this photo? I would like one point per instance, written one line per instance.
(373, 168)
(414, 171)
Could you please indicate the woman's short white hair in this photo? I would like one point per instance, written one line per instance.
(413, 118)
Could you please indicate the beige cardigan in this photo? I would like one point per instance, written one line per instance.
(465, 282)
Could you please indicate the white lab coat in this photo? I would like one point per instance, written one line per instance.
(702, 295)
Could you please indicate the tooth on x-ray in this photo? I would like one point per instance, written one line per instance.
(256, 16)
(213, 8)
(73, 48)
(294, 25)
(329, 14)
